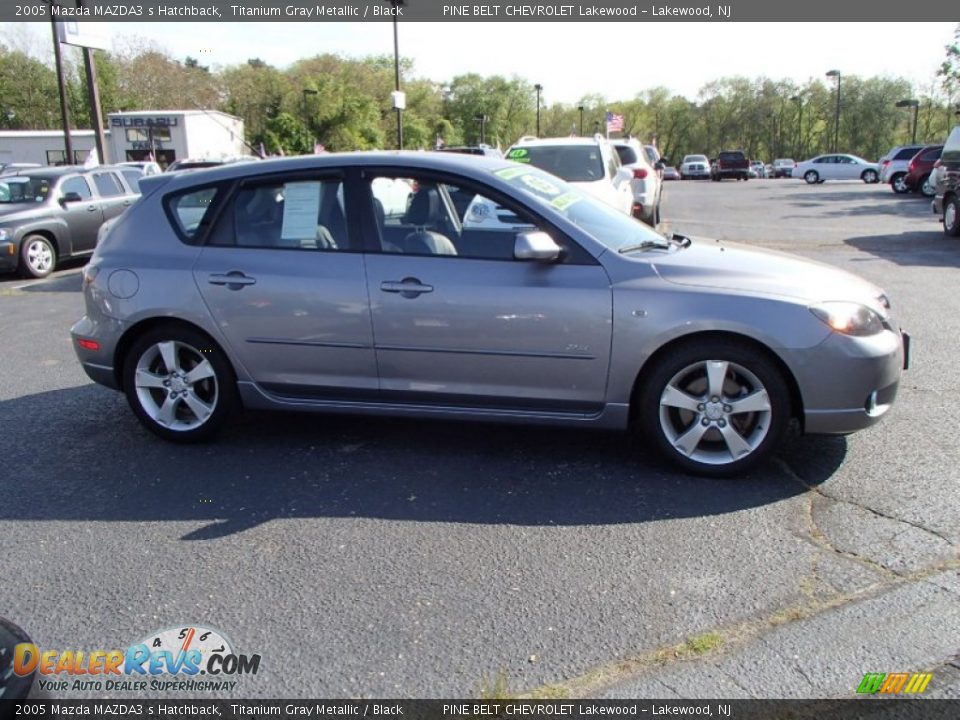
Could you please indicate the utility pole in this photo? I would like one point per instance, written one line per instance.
(62, 88)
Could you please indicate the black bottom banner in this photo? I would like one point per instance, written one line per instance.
(853, 709)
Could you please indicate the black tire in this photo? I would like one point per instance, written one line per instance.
(215, 388)
(12, 686)
(898, 183)
(925, 187)
(951, 216)
(38, 256)
(811, 177)
(870, 177)
(686, 364)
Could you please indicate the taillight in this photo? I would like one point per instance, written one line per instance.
(912, 166)
(885, 163)
(88, 344)
(639, 173)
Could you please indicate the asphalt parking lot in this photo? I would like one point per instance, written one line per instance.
(376, 558)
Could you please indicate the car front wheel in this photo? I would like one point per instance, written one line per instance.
(179, 384)
(811, 177)
(927, 187)
(38, 256)
(951, 217)
(715, 408)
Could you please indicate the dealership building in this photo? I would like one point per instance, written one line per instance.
(167, 135)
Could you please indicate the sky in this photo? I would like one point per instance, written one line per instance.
(616, 60)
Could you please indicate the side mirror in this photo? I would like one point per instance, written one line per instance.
(71, 197)
(535, 245)
(660, 165)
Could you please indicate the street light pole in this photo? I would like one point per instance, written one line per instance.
(396, 68)
(915, 104)
(580, 108)
(483, 121)
(836, 128)
(799, 145)
(61, 86)
(539, 88)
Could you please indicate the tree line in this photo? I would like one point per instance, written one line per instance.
(344, 103)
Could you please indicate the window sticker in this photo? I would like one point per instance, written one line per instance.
(301, 208)
(521, 155)
(540, 185)
(564, 201)
(510, 173)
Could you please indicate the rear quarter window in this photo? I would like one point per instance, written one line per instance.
(192, 211)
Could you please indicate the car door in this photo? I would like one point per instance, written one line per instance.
(848, 168)
(81, 212)
(114, 195)
(284, 280)
(457, 321)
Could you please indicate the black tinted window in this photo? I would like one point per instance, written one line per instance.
(735, 156)
(107, 184)
(573, 163)
(931, 154)
(907, 153)
(76, 185)
(627, 154)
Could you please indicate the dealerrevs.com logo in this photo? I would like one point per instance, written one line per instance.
(190, 658)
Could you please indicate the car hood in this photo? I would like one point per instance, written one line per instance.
(730, 266)
(14, 212)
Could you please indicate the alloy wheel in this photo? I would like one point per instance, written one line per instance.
(176, 385)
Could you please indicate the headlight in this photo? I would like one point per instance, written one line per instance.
(5, 234)
(849, 318)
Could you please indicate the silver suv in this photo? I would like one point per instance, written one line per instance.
(432, 285)
(893, 166)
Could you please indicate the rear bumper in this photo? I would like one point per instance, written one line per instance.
(937, 205)
(97, 364)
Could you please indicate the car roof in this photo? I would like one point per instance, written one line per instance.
(51, 172)
(452, 162)
(595, 140)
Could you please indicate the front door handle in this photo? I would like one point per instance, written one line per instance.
(234, 280)
(409, 287)
(91, 208)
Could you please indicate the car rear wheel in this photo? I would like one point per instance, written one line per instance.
(869, 176)
(927, 187)
(812, 177)
(899, 184)
(715, 408)
(38, 256)
(951, 217)
(179, 384)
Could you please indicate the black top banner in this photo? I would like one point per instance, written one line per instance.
(489, 11)
(504, 709)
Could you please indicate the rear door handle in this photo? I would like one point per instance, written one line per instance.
(234, 279)
(409, 287)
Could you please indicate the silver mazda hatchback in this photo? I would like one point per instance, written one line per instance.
(440, 286)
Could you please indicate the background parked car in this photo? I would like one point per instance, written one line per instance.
(14, 167)
(646, 181)
(695, 167)
(671, 173)
(758, 168)
(893, 166)
(485, 150)
(589, 163)
(148, 167)
(730, 164)
(918, 177)
(784, 167)
(49, 214)
(836, 167)
(653, 157)
(946, 201)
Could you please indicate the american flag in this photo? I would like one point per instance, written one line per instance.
(614, 122)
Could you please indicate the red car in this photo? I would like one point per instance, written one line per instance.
(918, 171)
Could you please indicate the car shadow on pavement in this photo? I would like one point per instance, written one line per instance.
(909, 206)
(79, 455)
(72, 282)
(924, 248)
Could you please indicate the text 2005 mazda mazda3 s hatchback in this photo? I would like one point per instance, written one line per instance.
(441, 286)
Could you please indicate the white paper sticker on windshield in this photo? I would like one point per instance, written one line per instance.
(301, 210)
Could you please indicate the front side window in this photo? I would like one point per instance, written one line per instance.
(291, 215)
(422, 216)
(77, 185)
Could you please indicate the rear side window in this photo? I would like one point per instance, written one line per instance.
(907, 153)
(627, 154)
(573, 163)
(107, 184)
(132, 176)
(191, 211)
(932, 154)
(951, 151)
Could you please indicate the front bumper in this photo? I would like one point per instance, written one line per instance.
(9, 256)
(937, 205)
(861, 385)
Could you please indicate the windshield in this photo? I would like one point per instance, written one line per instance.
(695, 158)
(606, 225)
(23, 189)
(573, 163)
